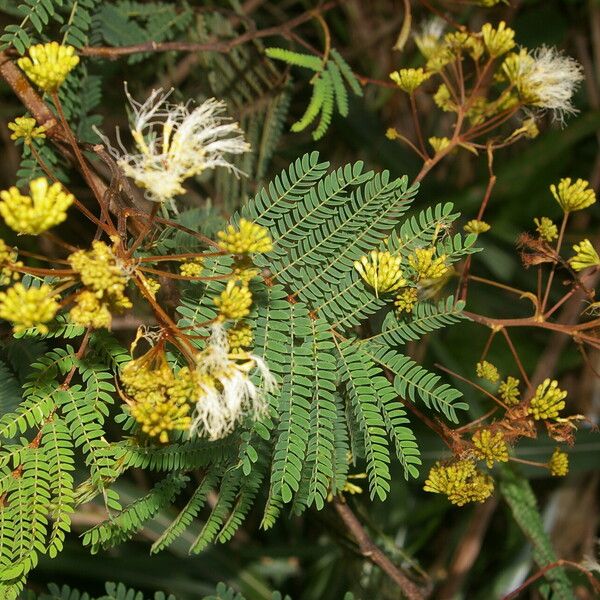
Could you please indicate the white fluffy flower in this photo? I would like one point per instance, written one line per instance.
(174, 143)
(227, 393)
(546, 78)
(429, 35)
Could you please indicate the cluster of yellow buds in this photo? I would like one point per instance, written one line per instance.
(234, 302)
(509, 391)
(44, 208)
(240, 338)
(573, 196)
(585, 256)
(406, 300)
(498, 41)
(559, 463)
(439, 144)
(28, 307)
(408, 80)
(160, 399)
(546, 229)
(192, 267)
(477, 227)
(49, 64)
(248, 238)
(460, 481)
(26, 129)
(104, 279)
(490, 447)
(486, 370)
(381, 271)
(547, 401)
(8, 259)
(426, 266)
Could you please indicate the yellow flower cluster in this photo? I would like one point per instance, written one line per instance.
(490, 447)
(408, 80)
(509, 391)
(546, 229)
(477, 227)
(160, 398)
(28, 307)
(240, 338)
(573, 196)
(547, 401)
(104, 279)
(486, 370)
(44, 208)
(49, 64)
(460, 481)
(443, 99)
(426, 266)
(558, 464)
(457, 42)
(438, 143)
(25, 128)
(8, 258)
(234, 302)
(585, 256)
(498, 41)
(381, 271)
(192, 268)
(248, 238)
(406, 300)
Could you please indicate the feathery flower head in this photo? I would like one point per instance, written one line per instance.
(546, 229)
(509, 391)
(101, 271)
(45, 207)
(226, 392)
(26, 128)
(234, 302)
(247, 238)
(49, 64)
(498, 41)
(406, 300)
(585, 256)
(438, 143)
(381, 271)
(558, 463)
(28, 307)
(477, 227)
(573, 196)
(8, 258)
(174, 143)
(547, 401)
(427, 267)
(545, 78)
(429, 35)
(486, 370)
(460, 481)
(408, 80)
(490, 447)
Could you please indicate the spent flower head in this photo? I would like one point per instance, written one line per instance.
(45, 207)
(585, 256)
(49, 64)
(573, 195)
(381, 271)
(174, 143)
(28, 307)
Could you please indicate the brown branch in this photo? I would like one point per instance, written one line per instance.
(372, 552)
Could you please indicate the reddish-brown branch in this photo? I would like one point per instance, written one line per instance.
(372, 552)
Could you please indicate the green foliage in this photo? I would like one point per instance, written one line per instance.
(332, 76)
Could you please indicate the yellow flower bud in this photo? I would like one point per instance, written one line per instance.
(498, 41)
(477, 227)
(381, 270)
(548, 400)
(460, 481)
(408, 80)
(585, 256)
(25, 128)
(573, 196)
(426, 266)
(559, 463)
(546, 229)
(509, 391)
(486, 370)
(490, 447)
(49, 64)
(28, 307)
(248, 238)
(234, 302)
